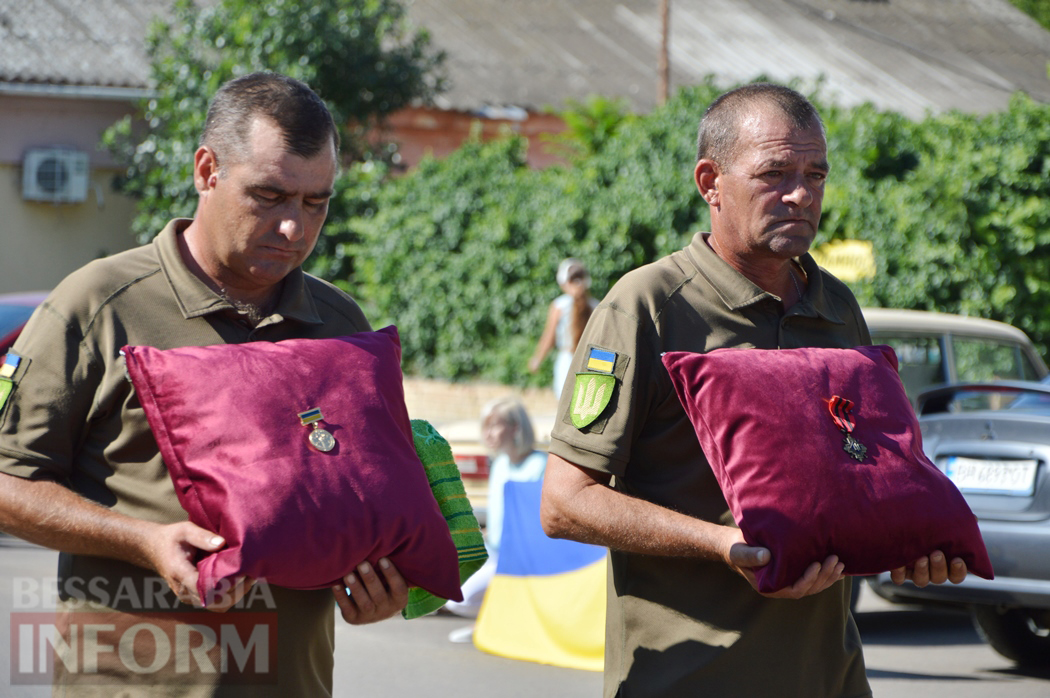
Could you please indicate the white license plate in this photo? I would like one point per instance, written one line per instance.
(1010, 477)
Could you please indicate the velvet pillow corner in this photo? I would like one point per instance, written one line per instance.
(818, 452)
(300, 454)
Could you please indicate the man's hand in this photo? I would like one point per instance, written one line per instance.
(817, 577)
(745, 558)
(172, 554)
(228, 594)
(365, 598)
(933, 568)
(49, 514)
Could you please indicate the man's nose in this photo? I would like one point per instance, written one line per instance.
(290, 226)
(799, 192)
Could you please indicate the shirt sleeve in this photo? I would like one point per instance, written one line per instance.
(603, 441)
(54, 387)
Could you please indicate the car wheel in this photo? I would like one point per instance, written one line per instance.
(1019, 634)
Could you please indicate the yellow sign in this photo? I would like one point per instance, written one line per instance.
(849, 260)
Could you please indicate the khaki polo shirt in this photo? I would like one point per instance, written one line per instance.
(680, 626)
(73, 417)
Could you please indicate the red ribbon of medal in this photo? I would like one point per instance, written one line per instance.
(841, 409)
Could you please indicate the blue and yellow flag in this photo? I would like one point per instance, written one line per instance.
(546, 603)
(601, 360)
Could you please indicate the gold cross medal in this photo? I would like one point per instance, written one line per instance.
(319, 438)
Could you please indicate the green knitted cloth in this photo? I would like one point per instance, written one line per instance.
(447, 487)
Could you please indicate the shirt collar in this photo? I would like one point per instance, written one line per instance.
(816, 301)
(737, 291)
(195, 298)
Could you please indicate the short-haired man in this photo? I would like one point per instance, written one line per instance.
(684, 617)
(82, 472)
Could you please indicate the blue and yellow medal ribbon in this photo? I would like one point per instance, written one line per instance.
(319, 438)
(310, 416)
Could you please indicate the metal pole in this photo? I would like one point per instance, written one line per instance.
(664, 68)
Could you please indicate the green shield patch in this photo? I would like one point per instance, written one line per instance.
(590, 395)
(6, 386)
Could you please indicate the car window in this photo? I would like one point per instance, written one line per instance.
(981, 360)
(997, 399)
(920, 361)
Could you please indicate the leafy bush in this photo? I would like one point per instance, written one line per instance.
(962, 223)
(362, 58)
(461, 253)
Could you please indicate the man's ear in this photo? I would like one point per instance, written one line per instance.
(706, 176)
(205, 169)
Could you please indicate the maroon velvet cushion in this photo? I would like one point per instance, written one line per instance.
(766, 422)
(226, 419)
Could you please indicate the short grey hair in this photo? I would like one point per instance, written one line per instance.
(720, 125)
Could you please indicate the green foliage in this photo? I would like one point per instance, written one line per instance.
(453, 256)
(461, 253)
(962, 224)
(359, 55)
(589, 126)
(1039, 10)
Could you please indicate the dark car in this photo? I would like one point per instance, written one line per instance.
(15, 309)
(993, 441)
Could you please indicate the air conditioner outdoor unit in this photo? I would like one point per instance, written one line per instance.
(55, 174)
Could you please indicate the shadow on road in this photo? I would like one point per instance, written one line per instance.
(913, 676)
(917, 628)
(1027, 673)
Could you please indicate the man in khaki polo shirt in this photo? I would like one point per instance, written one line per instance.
(81, 470)
(684, 617)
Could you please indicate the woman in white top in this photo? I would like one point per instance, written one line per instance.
(507, 433)
(566, 318)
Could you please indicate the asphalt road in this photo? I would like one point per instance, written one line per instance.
(909, 652)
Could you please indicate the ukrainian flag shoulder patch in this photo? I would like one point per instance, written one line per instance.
(601, 361)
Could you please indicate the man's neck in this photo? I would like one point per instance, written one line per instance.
(252, 312)
(781, 277)
(249, 302)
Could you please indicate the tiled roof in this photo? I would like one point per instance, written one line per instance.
(906, 55)
(95, 43)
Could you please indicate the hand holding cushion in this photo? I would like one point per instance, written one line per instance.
(818, 453)
(234, 424)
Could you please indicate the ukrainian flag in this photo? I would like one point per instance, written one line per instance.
(546, 602)
(601, 361)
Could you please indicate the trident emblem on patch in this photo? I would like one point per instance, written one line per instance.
(590, 395)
